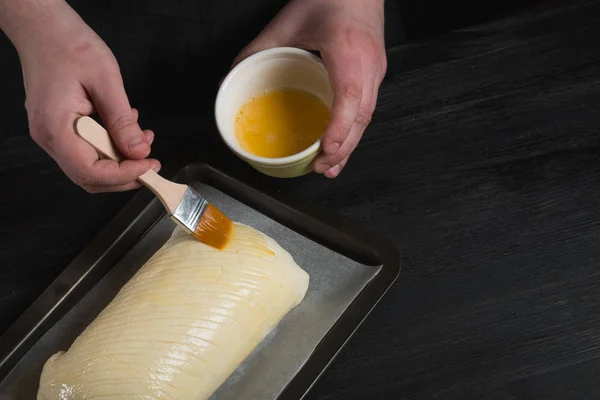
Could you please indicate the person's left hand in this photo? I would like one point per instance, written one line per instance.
(349, 36)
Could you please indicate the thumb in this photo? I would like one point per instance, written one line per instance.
(285, 29)
(111, 101)
(275, 34)
(263, 42)
(259, 44)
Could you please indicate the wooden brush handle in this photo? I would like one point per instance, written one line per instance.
(169, 193)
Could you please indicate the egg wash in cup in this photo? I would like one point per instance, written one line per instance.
(281, 122)
(273, 108)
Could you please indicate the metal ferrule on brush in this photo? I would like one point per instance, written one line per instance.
(189, 211)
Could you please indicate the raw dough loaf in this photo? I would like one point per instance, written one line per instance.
(182, 324)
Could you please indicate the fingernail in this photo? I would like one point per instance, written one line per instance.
(322, 168)
(149, 137)
(333, 148)
(136, 143)
(334, 171)
(155, 168)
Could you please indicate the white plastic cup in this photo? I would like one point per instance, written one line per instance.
(276, 68)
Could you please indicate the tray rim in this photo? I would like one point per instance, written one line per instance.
(140, 214)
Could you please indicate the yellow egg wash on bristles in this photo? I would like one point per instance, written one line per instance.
(281, 122)
(214, 228)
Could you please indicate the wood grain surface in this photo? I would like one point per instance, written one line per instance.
(481, 165)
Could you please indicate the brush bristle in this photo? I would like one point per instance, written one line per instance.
(214, 228)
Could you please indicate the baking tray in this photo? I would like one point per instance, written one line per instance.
(350, 269)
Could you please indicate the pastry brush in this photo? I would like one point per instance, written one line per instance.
(185, 206)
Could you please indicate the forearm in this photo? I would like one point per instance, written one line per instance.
(19, 19)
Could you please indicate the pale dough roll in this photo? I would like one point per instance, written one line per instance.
(182, 324)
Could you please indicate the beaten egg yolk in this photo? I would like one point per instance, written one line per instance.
(281, 122)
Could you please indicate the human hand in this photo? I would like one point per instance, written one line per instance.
(70, 72)
(349, 36)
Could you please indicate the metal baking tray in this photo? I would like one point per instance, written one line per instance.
(350, 270)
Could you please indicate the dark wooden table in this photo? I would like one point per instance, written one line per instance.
(481, 165)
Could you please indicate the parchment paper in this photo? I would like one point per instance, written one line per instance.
(334, 283)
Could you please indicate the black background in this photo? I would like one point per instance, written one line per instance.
(481, 165)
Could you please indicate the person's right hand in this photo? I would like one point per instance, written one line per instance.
(70, 72)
